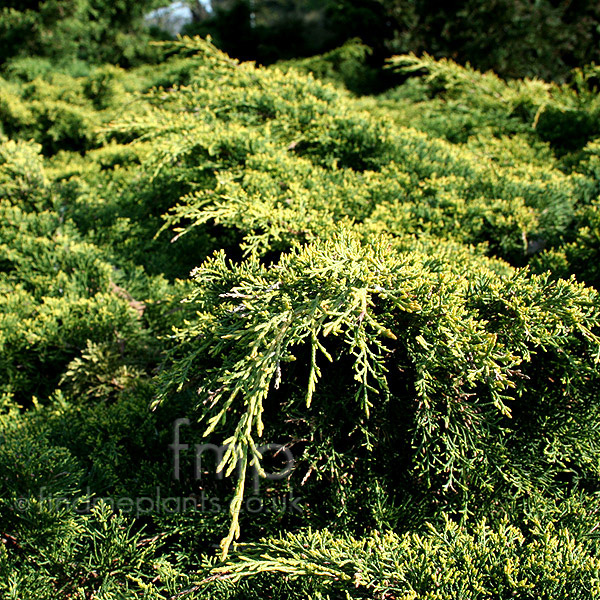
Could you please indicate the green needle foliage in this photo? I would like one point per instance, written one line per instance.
(563, 115)
(398, 291)
(469, 341)
(438, 564)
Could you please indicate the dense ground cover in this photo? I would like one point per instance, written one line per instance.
(397, 293)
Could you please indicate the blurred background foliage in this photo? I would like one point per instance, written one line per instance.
(515, 38)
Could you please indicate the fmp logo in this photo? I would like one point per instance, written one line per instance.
(279, 450)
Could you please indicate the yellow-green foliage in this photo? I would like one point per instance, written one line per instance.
(440, 564)
(345, 66)
(400, 289)
(280, 158)
(477, 350)
(53, 113)
(457, 102)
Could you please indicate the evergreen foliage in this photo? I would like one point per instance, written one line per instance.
(440, 564)
(400, 291)
(69, 31)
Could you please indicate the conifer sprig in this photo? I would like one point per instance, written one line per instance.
(472, 339)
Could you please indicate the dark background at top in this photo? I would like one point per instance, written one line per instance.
(516, 38)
